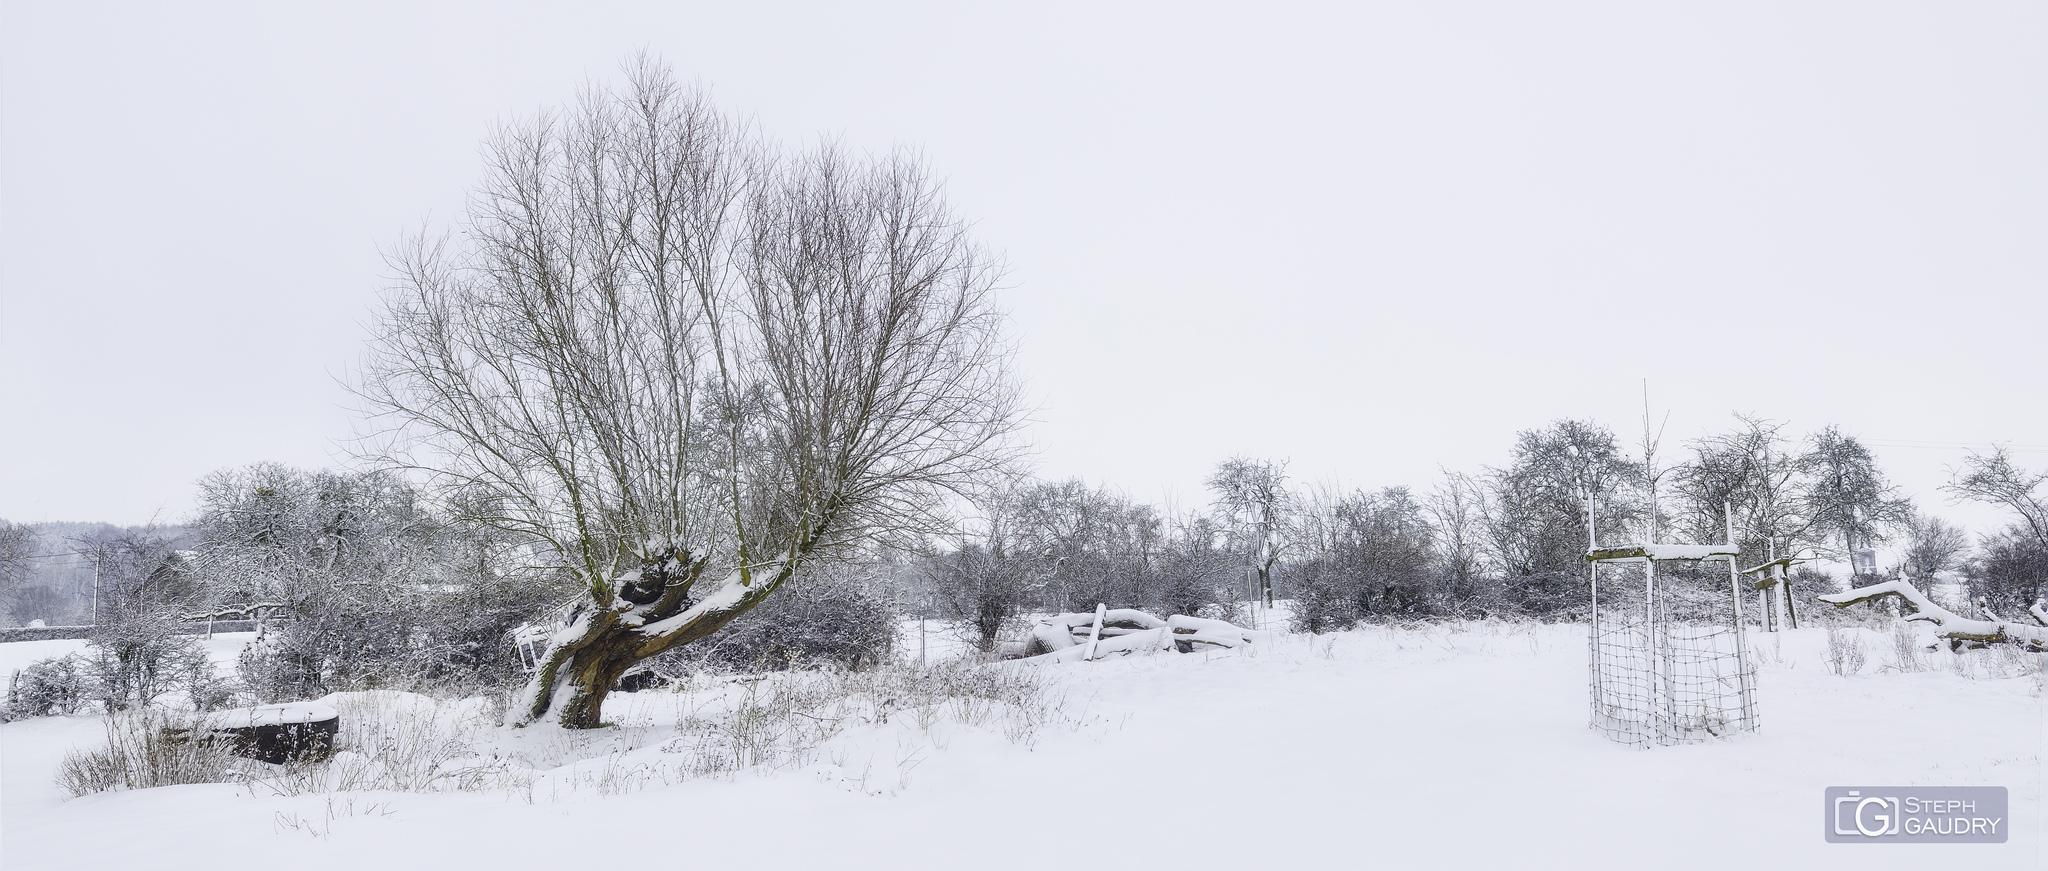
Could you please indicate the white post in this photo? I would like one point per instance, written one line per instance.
(1095, 633)
(1743, 687)
(1593, 634)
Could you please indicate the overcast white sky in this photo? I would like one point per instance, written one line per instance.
(1370, 239)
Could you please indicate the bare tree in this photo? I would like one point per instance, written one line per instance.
(1454, 513)
(1847, 495)
(1757, 474)
(1192, 571)
(1252, 497)
(1090, 545)
(1535, 510)
(17, 553)
(135, 652)
(667, 354)
(2013, 570)
(1364, 554)
(982, 585)
(1932, 545)
(1997, 481)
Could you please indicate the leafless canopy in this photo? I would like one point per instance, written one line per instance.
(658, 342)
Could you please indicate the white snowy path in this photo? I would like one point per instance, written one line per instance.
(1452, 750)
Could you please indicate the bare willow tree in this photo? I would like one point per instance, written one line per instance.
(684, 365)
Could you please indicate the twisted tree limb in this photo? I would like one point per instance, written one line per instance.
(1946, 623)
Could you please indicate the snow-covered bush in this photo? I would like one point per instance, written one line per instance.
(376, 583)
(1909, 650)
(146, 747)
(1323, 600)
(278, 667)
(54, 686)
(835, 615)
(114, 674)
(2011, 573)
(138, 664)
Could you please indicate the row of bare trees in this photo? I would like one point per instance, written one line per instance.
(1064, 545)
(1504, 540)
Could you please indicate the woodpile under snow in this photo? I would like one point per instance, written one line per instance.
(1124, 631)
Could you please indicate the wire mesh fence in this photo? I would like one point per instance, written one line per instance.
(1667, 658)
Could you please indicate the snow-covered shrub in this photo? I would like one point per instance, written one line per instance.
(313, 656)
(1323, 599)
(377, 583)
(147, 747)
(1845, 652)
(139, 662)
(2011, 574)
(273, 669)
(833, 616)
(115, 675)
(1368, 556)
(54, 686)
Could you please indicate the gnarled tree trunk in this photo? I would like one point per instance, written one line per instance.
(587, 658)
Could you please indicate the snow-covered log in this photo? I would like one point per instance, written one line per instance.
(2040, 613)
(1123, 631)
(1048, 636)
(1946, 623)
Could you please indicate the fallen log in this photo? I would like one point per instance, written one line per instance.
(1946, 623)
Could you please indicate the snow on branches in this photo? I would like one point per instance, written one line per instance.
(1948, 624)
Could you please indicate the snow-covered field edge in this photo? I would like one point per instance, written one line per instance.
(1462, 745)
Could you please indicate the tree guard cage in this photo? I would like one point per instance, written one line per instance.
(1669, 662)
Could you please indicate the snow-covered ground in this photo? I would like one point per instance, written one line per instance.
(1453, 748)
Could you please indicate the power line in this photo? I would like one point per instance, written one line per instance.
(1973, 446)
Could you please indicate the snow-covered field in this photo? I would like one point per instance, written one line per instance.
(1448, 747)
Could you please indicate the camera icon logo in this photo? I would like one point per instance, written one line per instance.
(1870, 816)
(1915, 815)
